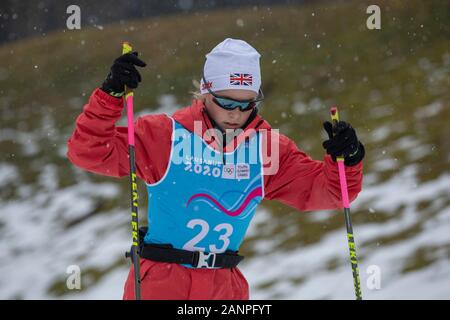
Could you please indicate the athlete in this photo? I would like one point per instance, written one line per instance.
(207, 167)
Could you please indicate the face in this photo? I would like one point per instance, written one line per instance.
(229, 119)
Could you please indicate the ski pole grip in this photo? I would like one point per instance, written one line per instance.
(334, 113)
(340, 161)
(127, 48)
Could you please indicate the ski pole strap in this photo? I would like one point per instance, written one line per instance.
(197, 259)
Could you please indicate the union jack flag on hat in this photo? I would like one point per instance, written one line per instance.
(241, 79)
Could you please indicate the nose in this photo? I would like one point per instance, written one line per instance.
(234, 114)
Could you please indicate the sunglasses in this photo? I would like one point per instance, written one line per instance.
(231, 104)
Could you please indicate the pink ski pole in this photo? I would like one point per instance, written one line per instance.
(128, 101)
(348, 221)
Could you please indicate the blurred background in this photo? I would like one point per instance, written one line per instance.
(391, 84)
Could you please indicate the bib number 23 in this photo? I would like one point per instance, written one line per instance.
(204, 229)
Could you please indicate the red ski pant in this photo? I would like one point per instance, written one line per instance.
(171, 281)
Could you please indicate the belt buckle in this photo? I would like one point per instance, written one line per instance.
(204, 258)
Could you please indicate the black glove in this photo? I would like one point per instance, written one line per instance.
(123, 73)
(343, 142)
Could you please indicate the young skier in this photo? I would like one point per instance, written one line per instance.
(207, 167)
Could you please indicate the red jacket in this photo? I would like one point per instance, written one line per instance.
(99, 146)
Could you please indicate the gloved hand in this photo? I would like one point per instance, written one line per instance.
(123, 73)
(343, 142)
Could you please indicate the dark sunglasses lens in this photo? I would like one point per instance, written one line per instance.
(225, 103)
(219, 103)
(232, 104)
(248, 106)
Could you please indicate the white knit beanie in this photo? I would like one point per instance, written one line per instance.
(232, 64)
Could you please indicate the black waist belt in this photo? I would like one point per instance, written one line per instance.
(197, 259)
